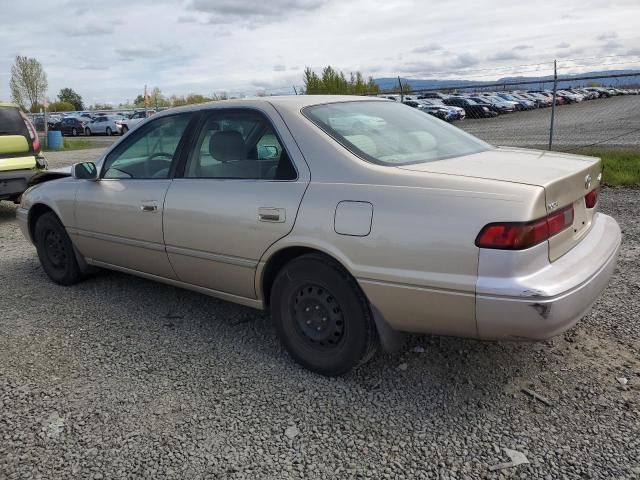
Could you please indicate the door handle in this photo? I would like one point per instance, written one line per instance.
(270, 214)
(149, 206)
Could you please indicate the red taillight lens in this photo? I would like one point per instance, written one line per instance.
(591, 198)
(35, 140)
(521, 235)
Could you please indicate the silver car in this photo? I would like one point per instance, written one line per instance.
(352, 220)
(103, 125)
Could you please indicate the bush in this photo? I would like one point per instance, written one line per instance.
(61, 107)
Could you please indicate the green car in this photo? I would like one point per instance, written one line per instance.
(20, 155)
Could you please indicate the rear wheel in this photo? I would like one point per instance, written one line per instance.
(74, 132)
(321, 316)
(55, 250)
(125, 129)
(87, 132)
(108, 131)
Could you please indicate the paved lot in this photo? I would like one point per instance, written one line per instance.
(119, 377)
(609, 122)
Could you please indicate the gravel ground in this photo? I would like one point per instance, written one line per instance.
(119, 377)
(608, 122)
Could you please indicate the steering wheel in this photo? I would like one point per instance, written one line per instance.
(153, 156)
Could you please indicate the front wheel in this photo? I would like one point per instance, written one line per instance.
(55, 250)
(321, 316)
(108, 132)
(125, 129)
(74, 132)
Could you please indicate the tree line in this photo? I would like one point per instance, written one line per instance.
(28, 85)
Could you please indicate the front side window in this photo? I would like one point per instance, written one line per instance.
(239, 144)
(150, 150)
(389, 133)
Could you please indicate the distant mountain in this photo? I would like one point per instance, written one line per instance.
(564, 81)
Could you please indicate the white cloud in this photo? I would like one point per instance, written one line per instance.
(108, 53)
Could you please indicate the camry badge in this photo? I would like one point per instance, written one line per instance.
(587, 182)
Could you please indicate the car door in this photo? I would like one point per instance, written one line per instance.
(237, 193)
(119, 216)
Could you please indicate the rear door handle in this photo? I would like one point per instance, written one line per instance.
(270, 214)
(149, 206)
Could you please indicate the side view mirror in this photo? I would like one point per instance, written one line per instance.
(267, 152)
(84, 171)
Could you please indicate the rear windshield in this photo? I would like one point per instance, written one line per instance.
(11, 123)
(392, 134)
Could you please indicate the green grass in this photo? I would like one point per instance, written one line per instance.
(620, 168)
(73, 144)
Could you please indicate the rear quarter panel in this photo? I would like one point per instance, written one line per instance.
(418, 265)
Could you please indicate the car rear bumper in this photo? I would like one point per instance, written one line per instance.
(540, 300)
(14, 182)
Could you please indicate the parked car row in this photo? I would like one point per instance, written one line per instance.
(457, 106)
(85, 123)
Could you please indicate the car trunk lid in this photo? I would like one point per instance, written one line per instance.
(566, 180)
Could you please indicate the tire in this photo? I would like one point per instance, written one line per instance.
(74, 132)
(321, 316)
(87, 132)
(125, 129)
(55, 250)
(108, 131)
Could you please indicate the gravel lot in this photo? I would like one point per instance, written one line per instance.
(119, 377)
(609, 122)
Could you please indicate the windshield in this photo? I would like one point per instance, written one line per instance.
(392, 134)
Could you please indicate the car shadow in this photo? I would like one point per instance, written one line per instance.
(7, 211)
(457, 372)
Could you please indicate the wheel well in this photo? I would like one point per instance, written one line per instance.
(279, 260)
(35, 212)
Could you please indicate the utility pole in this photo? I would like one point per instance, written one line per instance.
(553, 105)
(401, 92)
(295, 91)
(146, 103)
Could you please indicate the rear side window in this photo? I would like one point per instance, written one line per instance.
(11, 123)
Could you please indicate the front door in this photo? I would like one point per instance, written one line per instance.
(119, 217)
(237, 193)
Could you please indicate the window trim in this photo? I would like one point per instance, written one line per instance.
(138, 132)
(204, 116)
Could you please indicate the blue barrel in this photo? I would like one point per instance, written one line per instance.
(54, 139)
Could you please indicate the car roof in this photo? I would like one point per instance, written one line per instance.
(285, 102)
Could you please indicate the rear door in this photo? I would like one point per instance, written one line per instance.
(239, 192)
(119, 217)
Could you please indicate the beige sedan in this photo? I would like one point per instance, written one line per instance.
(351, 219)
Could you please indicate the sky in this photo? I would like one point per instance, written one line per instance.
(108, 51)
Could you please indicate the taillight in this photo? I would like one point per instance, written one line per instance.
(591, 198)
(521, 235)
(35, 140)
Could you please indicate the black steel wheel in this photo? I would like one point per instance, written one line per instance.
(55, 250)
(321, 315)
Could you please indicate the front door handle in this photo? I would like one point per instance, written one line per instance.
(270, 214)
(149, 206)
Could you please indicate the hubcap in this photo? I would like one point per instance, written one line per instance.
(55, 248)
(318, 316)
